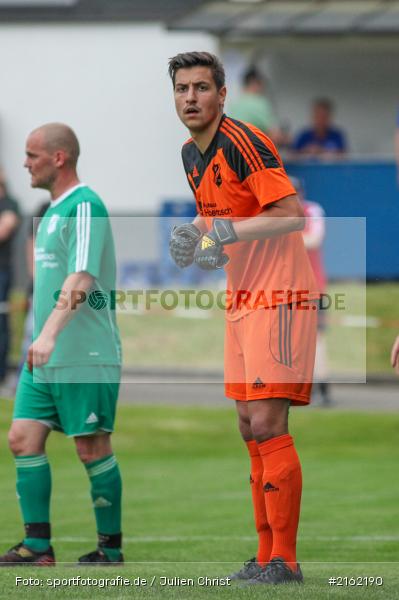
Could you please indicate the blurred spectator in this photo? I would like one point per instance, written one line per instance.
(397, 144)
(254, 107)
(29, 249)
(9, 221)
(322, 139)
(30, 240)
(313, 236)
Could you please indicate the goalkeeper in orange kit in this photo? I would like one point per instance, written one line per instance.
(249, 221)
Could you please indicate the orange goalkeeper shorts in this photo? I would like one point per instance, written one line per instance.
(269, 353)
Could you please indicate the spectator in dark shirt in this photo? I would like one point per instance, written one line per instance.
(396, 141)
(9, 221)
(29, 248)
(322, 139)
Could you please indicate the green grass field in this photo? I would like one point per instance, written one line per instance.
(187, 511)
(165, 339)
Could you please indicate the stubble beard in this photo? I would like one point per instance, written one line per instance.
(202, 127)
(44, 184)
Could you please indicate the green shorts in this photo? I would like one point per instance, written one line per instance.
(73, 408)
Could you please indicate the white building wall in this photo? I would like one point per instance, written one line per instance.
(110, 83)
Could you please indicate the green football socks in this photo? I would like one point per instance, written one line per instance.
(34, 490)
(106, 493)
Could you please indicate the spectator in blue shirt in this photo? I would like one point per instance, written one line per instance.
(322, 139)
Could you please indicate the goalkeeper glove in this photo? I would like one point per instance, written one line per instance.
(208, 253)
(183, 241)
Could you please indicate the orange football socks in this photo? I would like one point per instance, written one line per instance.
(265, 539)
(282, 486)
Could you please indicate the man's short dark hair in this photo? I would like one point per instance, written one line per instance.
(252, 74)
(186, 60)
(325, 103)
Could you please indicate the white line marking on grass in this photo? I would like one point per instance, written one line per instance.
(165, 539)
(233, 562)
(240, 538)
(359, 321)
(353, 538)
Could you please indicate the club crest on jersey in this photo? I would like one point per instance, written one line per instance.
(207, 242)
(195, 171)
(217, 178)
(52, 225)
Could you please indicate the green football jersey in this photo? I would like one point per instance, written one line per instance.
(75, 236)
(255, 109)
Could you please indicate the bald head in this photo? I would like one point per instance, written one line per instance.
(56, 137)
(52, 152)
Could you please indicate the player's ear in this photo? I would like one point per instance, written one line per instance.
(222, 95)
(60, 158)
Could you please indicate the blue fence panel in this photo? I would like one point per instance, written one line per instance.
(344, 189)
(358, 189)
(344, 248)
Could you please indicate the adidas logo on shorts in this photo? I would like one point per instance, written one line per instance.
(101, 502)
(258, 383)
(92, 418)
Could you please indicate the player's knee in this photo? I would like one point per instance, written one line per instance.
(17, 441)
(244, 426)
(92, 448)
(86, 453)
(262, 434)
(266, 429)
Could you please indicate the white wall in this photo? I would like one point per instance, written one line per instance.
(361, 75)
(110, 83)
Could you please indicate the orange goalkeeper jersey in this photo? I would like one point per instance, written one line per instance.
(238, 177)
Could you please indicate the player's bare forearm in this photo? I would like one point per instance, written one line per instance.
(284, 216)
(395, 355)
(199, 222)
(61, 315)
(8, 223)
(66, 308)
